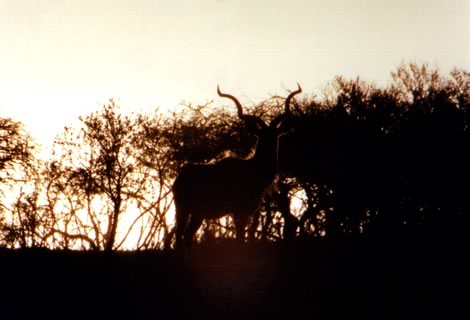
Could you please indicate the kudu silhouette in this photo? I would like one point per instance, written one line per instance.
(232, 185)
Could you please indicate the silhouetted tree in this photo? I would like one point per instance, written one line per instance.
(102, 176)
(19, 217)
(16, 151)
(383, 161)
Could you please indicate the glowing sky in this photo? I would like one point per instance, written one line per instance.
(63, 58)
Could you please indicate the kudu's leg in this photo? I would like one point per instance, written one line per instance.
(193, 226)
(240, 223)
(181, 220)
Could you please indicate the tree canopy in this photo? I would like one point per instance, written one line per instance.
(362, 160)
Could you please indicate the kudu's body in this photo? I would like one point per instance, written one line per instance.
(230, 186)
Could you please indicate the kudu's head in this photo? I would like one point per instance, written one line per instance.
(267, 135)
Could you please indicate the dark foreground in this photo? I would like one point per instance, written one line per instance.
(350, 279)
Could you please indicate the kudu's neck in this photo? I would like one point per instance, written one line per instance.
(265, 157)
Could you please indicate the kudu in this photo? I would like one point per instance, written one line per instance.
(230, 186)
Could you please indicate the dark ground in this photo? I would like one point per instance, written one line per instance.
(348, 279)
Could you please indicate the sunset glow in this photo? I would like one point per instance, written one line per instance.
(59, 60)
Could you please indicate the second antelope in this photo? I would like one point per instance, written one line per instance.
(230, 186)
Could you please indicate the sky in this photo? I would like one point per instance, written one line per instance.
(60, 59)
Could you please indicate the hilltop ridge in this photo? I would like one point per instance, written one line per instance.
(316, 279)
